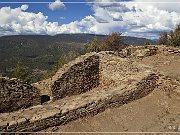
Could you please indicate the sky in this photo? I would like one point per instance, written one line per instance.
(138, 18)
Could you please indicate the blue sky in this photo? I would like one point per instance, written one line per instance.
(140, 18)
(67, 15)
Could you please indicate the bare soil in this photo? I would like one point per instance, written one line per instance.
(157, 112)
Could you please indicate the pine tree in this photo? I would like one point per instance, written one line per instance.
(172, 38)
(21, 73)
(163, 38)
(93, 46)
(114, 42)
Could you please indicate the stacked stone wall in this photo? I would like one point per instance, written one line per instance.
(79, 78)
(15, 95)
(114, 98)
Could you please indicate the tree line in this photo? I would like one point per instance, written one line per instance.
(23, 73)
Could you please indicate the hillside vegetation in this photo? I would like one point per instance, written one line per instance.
(40, 54)
(171, 38)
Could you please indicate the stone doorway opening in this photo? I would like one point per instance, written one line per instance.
(44, 98)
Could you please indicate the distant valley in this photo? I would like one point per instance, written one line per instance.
(39, 53)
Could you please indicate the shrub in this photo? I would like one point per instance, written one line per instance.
(112, 42)
(21, 72)
(147, 43)
(172, 38)
(163, 38)
(94, 46)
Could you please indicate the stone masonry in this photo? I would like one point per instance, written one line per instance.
(86, 86)
(67, 109)
(80, 78)
(76, 77)
(87, 71)
(15, 95)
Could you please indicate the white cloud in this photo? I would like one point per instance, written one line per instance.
(86, 25)
(18, 21)
(168, 5)
(24, 7)
(56, 5)
(136, 17)
(133, 19)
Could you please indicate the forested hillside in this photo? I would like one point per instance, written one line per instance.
(39, 53)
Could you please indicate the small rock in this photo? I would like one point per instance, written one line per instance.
(55, 128)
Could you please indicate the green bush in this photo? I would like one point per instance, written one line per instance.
(21, 72)
(147, 43)
(94, 46)
(112, 42)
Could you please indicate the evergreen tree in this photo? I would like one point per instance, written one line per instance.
(21, 73)
(93, 46)
(163, 38)
(114, 42)
(172, 38)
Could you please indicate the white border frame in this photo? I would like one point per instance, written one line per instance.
(78, 2)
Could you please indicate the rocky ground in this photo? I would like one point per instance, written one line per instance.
(139, 92)
(157, 112)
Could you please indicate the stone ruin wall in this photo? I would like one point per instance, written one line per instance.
(76, 77)
(83, 74)
(141, 89)
(15, 95)
(149, 50)
(79, 78)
